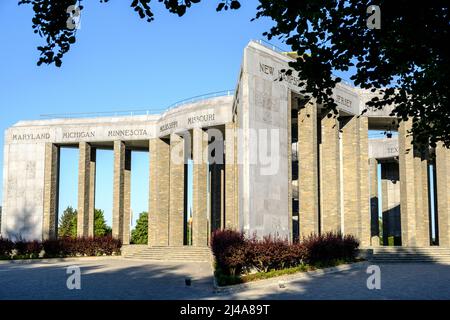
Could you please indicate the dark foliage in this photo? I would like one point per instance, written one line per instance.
(330, 246)
(229, 248)
(6, 248)
(72, 247)
(407, 58)
(33, 249)
(270, 253)
(236, 254)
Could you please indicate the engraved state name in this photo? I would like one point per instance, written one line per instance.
(30, 136)
(127, 133)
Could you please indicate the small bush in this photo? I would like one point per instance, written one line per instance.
(330, 246)
(108, 246)
(6, 248)
(52, 248)
(33, 249)
(229, 249)
(351, 245)
(21, 247)
(270, 253)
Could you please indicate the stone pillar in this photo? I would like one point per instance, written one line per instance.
(200, 179)
(121, 192)
(330, 175)
(364, 198)
(231, 215)
(158, 217)
(51, 188)
(414, 190)
(222, 196)
(177, 196)
(407, 182)
(421, 197)
(356, 195)
(443, 194)
(308, 170)
(374, 222)
(86, 190)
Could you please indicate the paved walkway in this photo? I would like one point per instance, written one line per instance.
(118, 278)
(105, 278)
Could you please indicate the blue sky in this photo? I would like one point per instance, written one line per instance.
(120, 62)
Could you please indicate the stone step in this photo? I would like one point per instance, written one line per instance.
(415, 258)
(393, 248)
(170, 255)
(410, 254)
(185, 253)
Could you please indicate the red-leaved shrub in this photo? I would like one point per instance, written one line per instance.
(270, 253)
(229, 249)
(33, 249)
(235, 254)
(83, 246)
(330, 246)
(6, 248)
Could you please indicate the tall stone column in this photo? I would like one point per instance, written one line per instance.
(364, 197)
(51, 188)
(421, 197)
(414, 190)
(121, 192)
(330, 186)
(443, 194)
(177, 192)
(407, 185)
(86, 190)
(308, 170)
(158, 216)
(222, 197)
(356, 195)
(231, 215)
(374, 223)
(200, 179)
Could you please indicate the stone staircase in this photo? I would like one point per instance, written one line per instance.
(180, 253)
(410, 254)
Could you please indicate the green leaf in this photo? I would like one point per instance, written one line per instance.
(220, 6)
(235, 4)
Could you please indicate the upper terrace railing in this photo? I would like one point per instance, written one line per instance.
(206, 96)
(271, 46)
(286, 53)
(138, 112)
